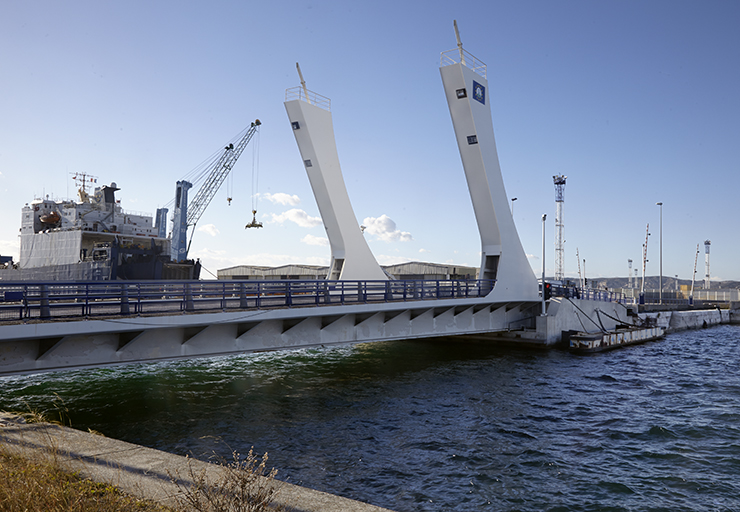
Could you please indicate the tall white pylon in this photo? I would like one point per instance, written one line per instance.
(310, 118)
(503, 259)
(559, 181)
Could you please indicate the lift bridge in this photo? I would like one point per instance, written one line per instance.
(52, 326)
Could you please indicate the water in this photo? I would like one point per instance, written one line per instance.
(430, 426)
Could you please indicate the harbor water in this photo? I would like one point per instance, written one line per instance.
(431, 426)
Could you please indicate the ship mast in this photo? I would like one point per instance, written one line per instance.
(81, 180)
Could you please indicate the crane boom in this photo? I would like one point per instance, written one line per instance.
(187, 214)
(218, 175)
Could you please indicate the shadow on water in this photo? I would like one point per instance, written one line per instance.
(440, 425)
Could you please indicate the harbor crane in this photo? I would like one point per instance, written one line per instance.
(187, 216)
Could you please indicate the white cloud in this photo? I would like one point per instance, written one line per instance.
(10, 248)
(315, 240)
(211, 229)
(422, 250)
(383, 228)
(298, 216)
(282, 198)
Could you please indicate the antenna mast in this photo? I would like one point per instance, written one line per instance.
(303, 83)
(559, 181)
(459, 43)
(580, 277)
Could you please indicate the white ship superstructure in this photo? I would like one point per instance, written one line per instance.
(93, 238)
(64, 232)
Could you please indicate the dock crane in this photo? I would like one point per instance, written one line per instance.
(186, 216)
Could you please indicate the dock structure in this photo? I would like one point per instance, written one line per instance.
(502, 256)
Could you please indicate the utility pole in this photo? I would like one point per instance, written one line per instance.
(660, 281)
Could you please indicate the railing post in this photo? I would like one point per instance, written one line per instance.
(44, 311)
(288, 296)
(86, 306)
(124, 300)
(188, 297)
(243, 296)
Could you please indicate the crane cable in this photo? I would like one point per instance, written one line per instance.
(255, 172)
(255, 181)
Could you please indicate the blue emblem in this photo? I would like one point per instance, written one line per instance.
(479, 92)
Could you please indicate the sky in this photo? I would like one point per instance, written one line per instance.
(636, 102)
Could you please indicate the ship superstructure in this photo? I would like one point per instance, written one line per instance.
(93, 238)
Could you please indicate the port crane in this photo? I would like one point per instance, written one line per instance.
(187, 216)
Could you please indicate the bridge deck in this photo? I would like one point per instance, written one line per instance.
(26, 301)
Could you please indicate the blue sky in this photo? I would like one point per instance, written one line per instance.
(635, 101)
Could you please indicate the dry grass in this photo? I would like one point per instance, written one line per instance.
(243, 485)
(44, 486)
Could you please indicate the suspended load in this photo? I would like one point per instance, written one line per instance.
(254, 223)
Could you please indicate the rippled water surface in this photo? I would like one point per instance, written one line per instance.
(442, 426)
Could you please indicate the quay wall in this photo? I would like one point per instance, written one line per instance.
(674, 321)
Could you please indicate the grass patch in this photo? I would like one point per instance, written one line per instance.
(43, 486)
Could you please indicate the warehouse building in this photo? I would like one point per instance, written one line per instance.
(415, 270)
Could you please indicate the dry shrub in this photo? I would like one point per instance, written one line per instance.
(243, 485)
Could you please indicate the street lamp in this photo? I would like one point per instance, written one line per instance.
(660, 281)
(512, 205)
(544, 309)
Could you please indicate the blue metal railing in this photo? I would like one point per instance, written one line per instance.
(586, 294)
(65, 300)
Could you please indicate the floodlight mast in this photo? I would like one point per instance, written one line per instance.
(559, 182)
(707, 245)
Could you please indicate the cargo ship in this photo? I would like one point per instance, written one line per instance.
(93, 239)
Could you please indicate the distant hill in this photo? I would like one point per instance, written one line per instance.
(669, 283)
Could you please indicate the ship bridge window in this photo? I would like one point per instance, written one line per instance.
(472, 139)
(296, 125)
(461, 93)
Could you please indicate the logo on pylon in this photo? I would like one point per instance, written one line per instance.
(479, 92)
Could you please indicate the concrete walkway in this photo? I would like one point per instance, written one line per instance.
(140, 471)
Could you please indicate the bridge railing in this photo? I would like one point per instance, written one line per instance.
(64, 300)
(587, 294)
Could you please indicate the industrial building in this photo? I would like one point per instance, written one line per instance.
(410, 270)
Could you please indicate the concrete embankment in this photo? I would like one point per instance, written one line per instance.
(140, 471)
(674, 321)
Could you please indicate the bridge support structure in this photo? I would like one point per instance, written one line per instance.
(311, 120)
(502, 256)
(56, 345)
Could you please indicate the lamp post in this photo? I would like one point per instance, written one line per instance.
(660, 281)
(544, 309)
(512, 205)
